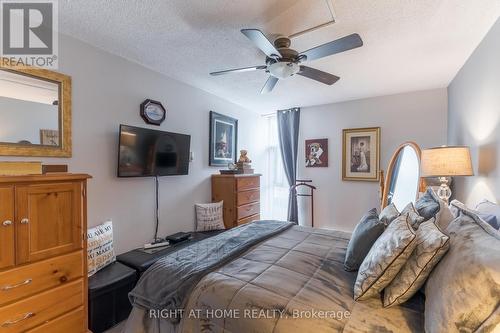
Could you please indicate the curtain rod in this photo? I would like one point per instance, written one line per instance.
(274, 113)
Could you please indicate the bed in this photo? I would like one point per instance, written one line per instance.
(271, 276)
(291, 282)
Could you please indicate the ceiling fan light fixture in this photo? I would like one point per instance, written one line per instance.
(283, 70)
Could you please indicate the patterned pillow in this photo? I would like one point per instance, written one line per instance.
(100, 251)
(414, 217)
(210, 216)
(430, 205)
(388, 214)
(364, 235)
(386, 257)
(432, 245)
(463, 290)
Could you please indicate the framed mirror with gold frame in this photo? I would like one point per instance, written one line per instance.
(35, 112)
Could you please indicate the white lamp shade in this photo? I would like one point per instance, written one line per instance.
(446, 161)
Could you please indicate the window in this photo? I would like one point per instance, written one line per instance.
(275, 185)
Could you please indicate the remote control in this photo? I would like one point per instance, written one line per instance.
(155, 245)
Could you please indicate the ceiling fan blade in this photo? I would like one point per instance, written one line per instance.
(260, 40)
(239, 70)
(340, 45)
(318, 75)
(270, 83)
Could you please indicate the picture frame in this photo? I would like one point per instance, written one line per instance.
(49, 137)
(361, 154)
(316, 153)
(223, 141)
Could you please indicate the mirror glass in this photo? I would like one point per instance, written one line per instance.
(404, 179)
(29, 110)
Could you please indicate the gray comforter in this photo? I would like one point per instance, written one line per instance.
(168, 283)
(292, 282)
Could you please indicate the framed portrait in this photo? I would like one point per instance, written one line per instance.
(223, 139)
(49, 137)
(361, 154)
(316, 153)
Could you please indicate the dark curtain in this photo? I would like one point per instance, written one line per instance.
(288, 131)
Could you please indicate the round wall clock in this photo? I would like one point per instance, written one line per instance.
(153, 112)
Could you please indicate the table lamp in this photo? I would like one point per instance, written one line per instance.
(446, 161)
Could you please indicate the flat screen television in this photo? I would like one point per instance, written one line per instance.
(147, 153)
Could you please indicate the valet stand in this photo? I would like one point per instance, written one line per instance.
(300, 183)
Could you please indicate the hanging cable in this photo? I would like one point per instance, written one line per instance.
(157, 186)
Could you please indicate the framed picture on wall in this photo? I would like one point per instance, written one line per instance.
(316, 153)
(361, 154)
(223, 140)
(49, 137)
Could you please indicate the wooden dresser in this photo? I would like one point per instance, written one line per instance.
(43, 256)
(241, 195)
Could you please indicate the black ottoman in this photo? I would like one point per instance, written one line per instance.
(108, 296)
(141, 260)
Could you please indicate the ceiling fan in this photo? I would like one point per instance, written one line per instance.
(283, 62)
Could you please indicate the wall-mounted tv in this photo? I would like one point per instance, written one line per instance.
(147, 153)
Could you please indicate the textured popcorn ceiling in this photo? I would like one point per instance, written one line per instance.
(408, 44)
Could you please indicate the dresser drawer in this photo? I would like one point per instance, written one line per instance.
(70, 322)
(27, 280)
(248, 210)
(255, 217)
(38, 309)
(246, 197)
(247, 183)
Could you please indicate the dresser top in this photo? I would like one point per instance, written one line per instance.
(44, 178)
(238, 175)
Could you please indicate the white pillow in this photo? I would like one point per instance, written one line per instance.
(100, 251)
(210, 216)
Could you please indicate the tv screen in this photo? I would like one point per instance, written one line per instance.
(144, 153)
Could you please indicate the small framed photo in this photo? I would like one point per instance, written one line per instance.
(49, 137)
(361, 154)
(223, 140)
(316, 153)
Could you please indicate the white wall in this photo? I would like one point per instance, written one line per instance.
(474, 120)
(418, 116)
(107, 91)
(23, 120)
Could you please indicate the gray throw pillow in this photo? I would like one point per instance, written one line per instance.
(432, 245)
(427, 205)
(486, 208)
(463, 291)
(413, 216)
(386, 257)
(364, 235)
(490, 219)
(388, 214)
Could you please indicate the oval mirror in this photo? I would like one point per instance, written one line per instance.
(403, 176)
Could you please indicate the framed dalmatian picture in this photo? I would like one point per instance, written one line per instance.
(316, 153)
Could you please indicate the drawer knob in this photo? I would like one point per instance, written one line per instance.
(15, 321)
(7, 223)
(25, 221)
(25, 282)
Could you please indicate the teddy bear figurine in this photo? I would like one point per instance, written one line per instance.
(243, 157)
